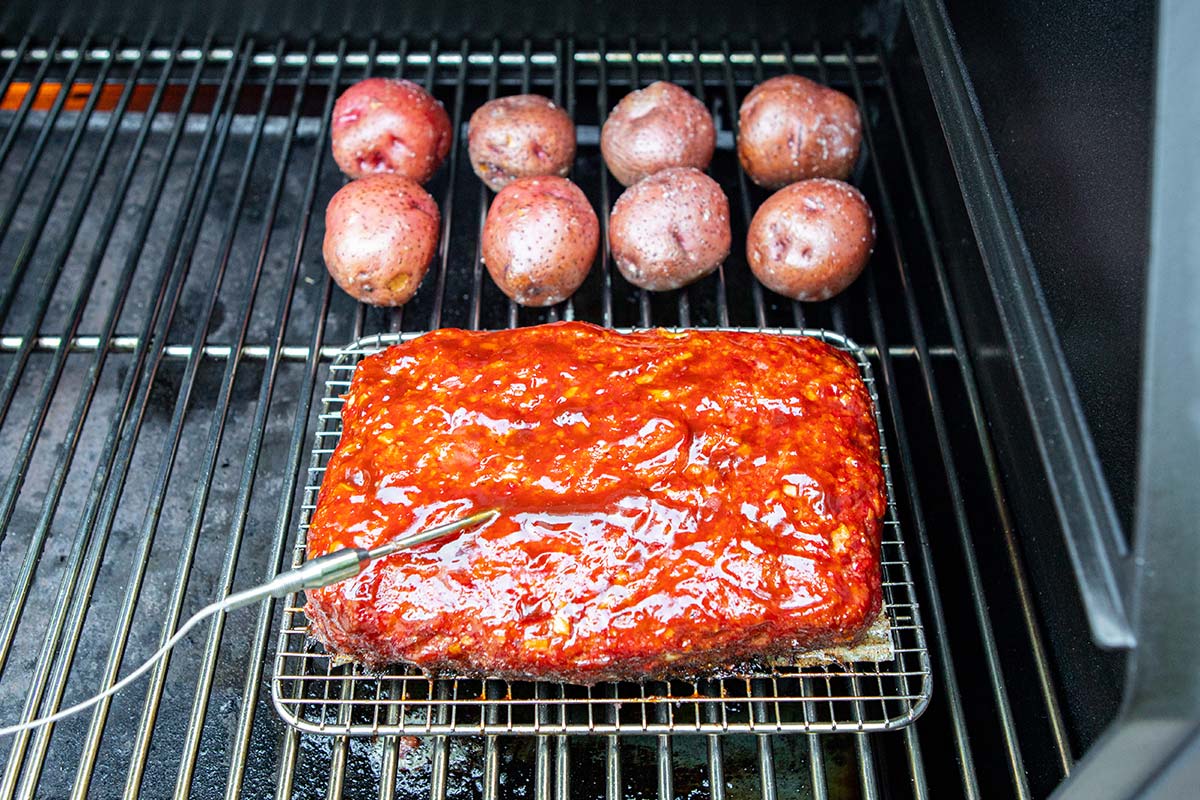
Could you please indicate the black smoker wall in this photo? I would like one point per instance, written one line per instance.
(708, 20)
(1067, 91)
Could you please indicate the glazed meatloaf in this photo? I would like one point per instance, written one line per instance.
(671, 503)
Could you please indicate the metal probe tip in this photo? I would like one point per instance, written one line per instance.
(479, 518)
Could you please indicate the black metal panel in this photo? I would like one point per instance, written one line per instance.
(1067, 91)
(509, 20)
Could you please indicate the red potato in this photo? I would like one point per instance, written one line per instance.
(520, 136)
(380, 234)
(810, 240)
(392, 126)
(791, 129)
(656, 128)
(540, 239)
(670, 229)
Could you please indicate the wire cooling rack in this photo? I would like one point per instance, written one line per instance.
(314, 693)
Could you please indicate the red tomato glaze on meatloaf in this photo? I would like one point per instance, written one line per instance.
(671, 503)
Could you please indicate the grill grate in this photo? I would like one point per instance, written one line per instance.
(317, 696)
(166, 325)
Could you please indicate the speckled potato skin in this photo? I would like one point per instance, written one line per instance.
(540, 239)
(810, 240)
(521, 136)
(383, 125)
(791, 129)
(656, 128)
(670, 229)
(380, 234)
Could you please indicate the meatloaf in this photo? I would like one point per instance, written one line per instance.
(671, 503)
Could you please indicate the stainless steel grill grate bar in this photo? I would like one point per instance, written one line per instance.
(150, 361)
(613, 786)
(722, 292)
(484, 201)
(328, 58)
(816, 763)
(435, 318)
(643, 296)
(441, 746)
(491, 765)
(562, 768)
(441, 757)
(396, 315)
(760, 312)
(789, 66)
(117, 343)
(766, 753)
(602, 107)
(666, 789)
(683, 301)
(542, 776)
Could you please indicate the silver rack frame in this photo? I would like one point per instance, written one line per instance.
(316, 695)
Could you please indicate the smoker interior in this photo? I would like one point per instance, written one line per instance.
(167, 328)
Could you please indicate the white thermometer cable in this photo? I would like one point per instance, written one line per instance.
(321, 571)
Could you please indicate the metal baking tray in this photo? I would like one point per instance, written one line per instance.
(316, 693)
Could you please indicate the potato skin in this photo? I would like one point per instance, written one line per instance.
(540, 239)
(670, 229)
(791, 129)
(521, 136)
(656, 128)
(381, 232)
(810, 240)
(390, 126)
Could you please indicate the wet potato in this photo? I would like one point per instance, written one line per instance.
(519, 137)
(656, 128)
(670, 229)
(792, 129)
(810, 240)
(381, 232)
(383, 125)
(540, 239)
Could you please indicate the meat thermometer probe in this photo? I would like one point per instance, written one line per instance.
(321, 571)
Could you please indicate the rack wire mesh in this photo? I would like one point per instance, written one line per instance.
(311, 689)
(166, 325)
